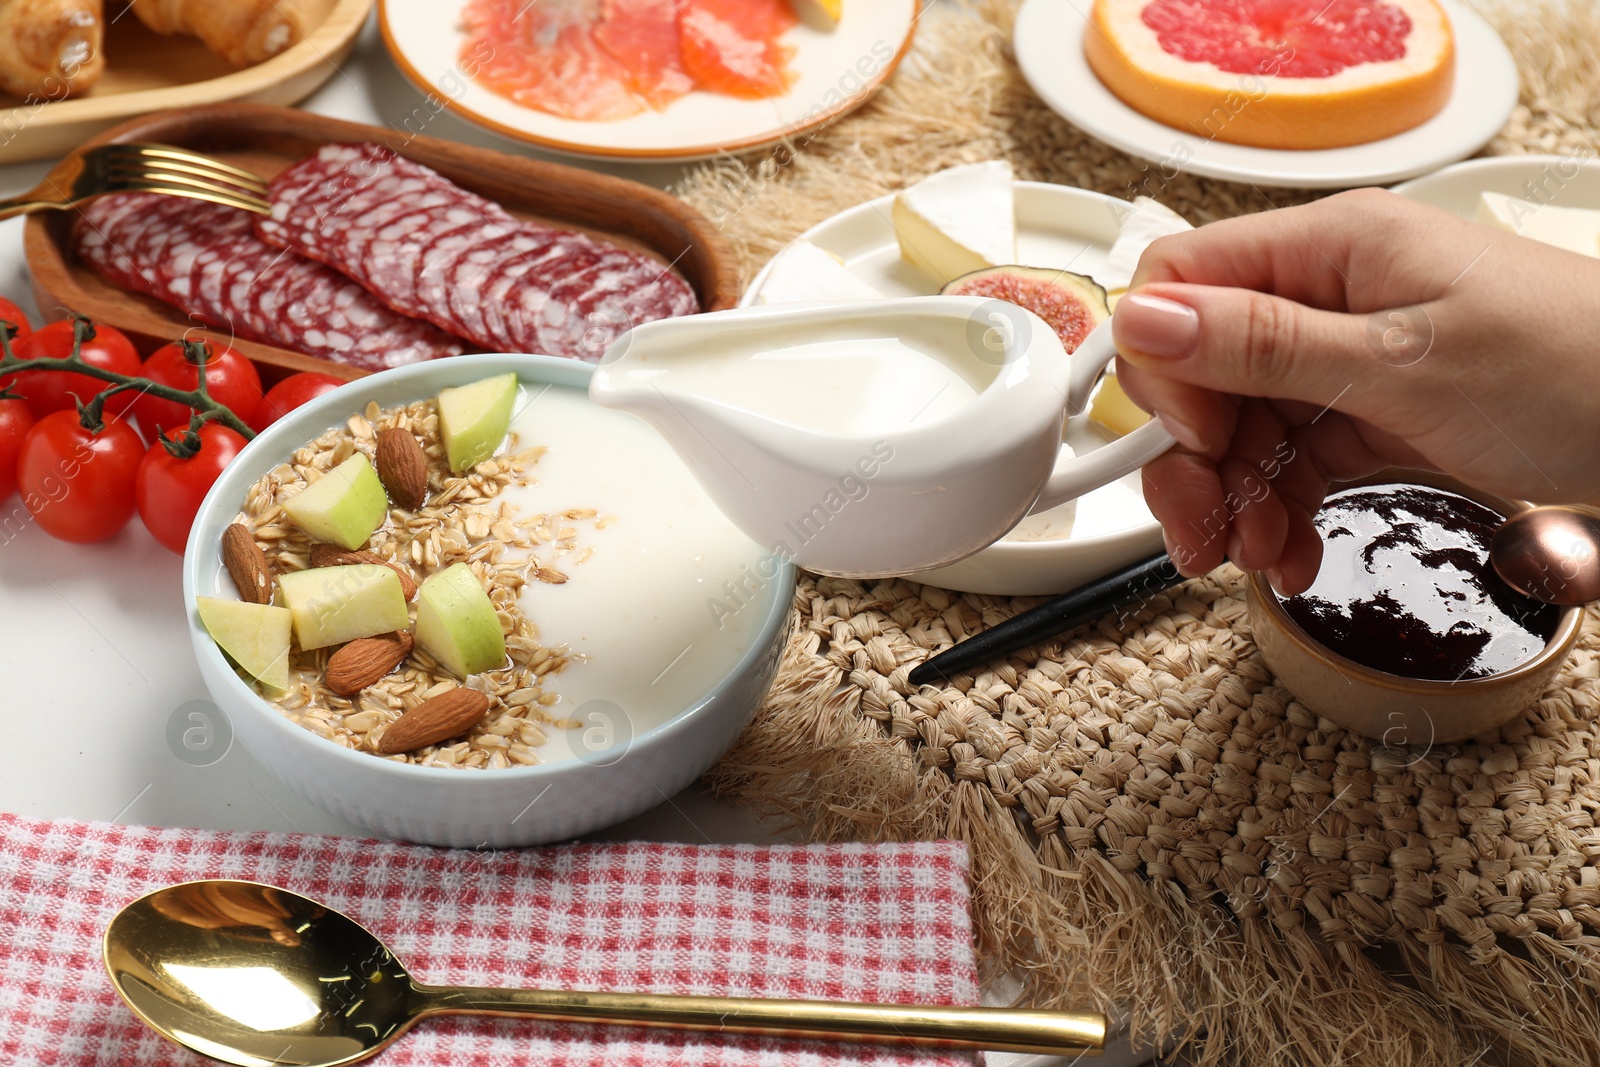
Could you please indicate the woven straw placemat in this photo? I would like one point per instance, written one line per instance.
(1157, 828)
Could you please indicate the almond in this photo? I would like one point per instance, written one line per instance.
(247, 564)
(365, 661)
(402, 468)
(445, 716)
(325, 555)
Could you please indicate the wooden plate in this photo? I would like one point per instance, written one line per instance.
(147, 72)
(267, 139)
(836, 69)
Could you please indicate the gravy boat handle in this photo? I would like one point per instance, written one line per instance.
(1074, 476)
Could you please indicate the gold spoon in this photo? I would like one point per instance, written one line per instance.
(1550, 553)
(255, 975)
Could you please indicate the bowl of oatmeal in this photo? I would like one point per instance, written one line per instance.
(638, 628)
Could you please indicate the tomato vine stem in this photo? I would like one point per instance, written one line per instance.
(92, 414)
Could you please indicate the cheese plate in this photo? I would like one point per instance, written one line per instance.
(1057, 227)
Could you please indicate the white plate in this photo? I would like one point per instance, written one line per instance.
(837, 68)
(1565, 181)
(1057, 226)
(1049, 47)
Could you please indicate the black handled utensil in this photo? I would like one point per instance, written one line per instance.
(1130, 585)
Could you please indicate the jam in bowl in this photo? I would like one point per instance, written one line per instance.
(1408, 635)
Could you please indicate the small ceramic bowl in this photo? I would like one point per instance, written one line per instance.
(1394, 709)
(467, 808)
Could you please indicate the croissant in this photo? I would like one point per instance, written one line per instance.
(243, 32)
(50, 49)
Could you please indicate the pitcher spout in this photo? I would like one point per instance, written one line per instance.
(628, 380)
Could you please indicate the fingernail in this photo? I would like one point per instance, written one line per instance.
(1235, 550)
(1156, 326)
(1181, 431)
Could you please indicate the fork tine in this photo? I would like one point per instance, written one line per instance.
(179, 172)
(180, 181)
(179, 155)
(193, 191)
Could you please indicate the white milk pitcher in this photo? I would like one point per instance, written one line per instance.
(877, 438)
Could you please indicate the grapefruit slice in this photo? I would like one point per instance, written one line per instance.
(545, 56)
(1297, 74)
(642, 35)
(732, 46)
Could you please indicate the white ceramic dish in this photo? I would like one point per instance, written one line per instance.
(469, 808)
(1049, 47)
(1565, 181)
(837, 69)
(949, 444)
(1057, 226)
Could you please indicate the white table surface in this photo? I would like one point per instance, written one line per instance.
(94, 635)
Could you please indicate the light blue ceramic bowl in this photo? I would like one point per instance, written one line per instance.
(440, 806)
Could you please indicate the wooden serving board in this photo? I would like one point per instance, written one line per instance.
(146, 72)
(264, 140)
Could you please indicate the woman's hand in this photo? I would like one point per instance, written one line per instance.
(1309, 345)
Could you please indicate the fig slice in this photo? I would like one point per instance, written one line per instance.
(1073, 304)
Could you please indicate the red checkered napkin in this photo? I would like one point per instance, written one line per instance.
(862, 923)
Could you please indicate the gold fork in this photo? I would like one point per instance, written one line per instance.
(140, 168)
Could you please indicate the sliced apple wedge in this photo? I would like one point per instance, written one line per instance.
(255, 636)
(456, 622)
(344, 506)
(473, 419)
(332, 605)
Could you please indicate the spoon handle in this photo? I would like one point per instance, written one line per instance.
(996, 1029)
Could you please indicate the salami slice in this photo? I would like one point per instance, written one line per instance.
(463, 262)
(529, 251)
(207, 261)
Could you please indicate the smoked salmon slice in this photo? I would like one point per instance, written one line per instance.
(642, 35)
(732, 47)
(598, 60)
(544, 55)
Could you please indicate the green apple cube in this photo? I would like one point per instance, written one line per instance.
(344, 506)
(332, 605)
(473, 419)
(456, 622)
(255, 636)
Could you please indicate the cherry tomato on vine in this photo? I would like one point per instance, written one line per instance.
(16, 419)
(48, 391)
(9, 312)
(169, 489)
(289, 394)
(79, 484)
(231, 379)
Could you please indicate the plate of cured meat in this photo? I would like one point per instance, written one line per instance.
(381, 249)
(649, 79)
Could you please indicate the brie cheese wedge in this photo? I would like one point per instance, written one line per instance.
(1147, 221)
(802, 271)
(1572, 228)
(958, 221)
